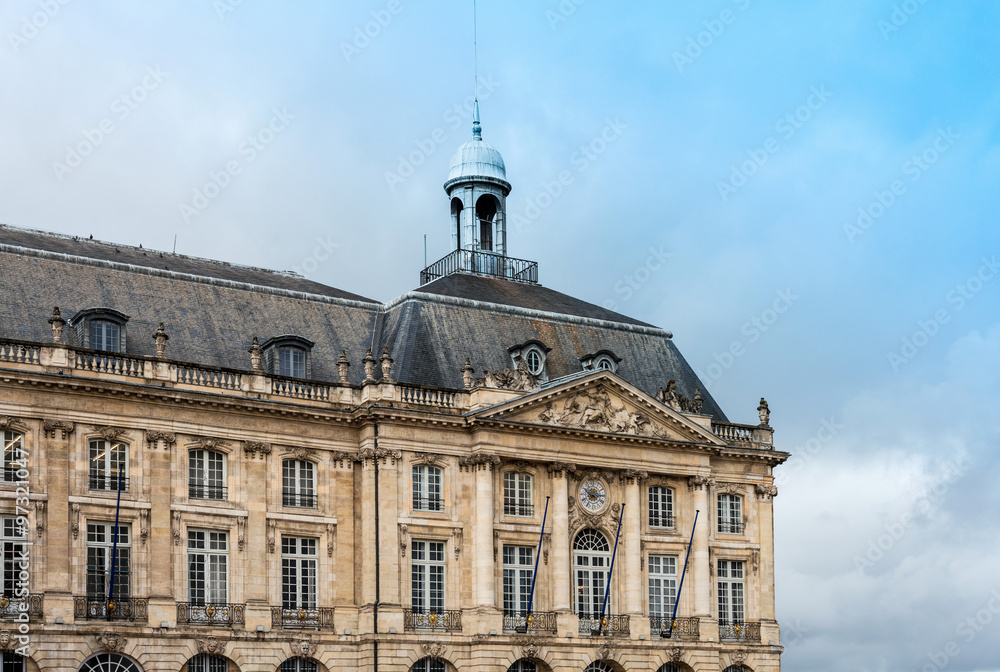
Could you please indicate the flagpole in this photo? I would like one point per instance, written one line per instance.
(607, 588)
(680, 587)
(114, 544)
(538, 552)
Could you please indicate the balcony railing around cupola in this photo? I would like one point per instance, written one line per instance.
(481, 262)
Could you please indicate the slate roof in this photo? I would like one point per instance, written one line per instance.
(211, 311)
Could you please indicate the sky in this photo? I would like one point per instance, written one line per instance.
(805, 194)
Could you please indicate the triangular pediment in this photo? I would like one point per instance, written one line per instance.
(600, 402)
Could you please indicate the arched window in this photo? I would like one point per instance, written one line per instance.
(206, 474)
(605, 364)
(486, 212)
(13, 662)
(204, 662)
(298, 483)
(670, 667)
(100, 329)
(288, 356)
(108, 462)
(730, 514)
(428, 665)
(737, 668)
(13, 454)
(299, 664)
(591, 558)
(109, 662)
(534, 360)
(456, 220)
(523, 665)
(599, 666)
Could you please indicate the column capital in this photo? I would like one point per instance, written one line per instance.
(479, 462)
(52, 427)
(700, 482)
(560, 469)
(630, 476)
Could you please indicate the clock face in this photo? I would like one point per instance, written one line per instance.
(592, 494)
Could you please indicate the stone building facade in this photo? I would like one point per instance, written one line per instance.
(483, 474)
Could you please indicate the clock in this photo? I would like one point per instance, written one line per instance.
(593, 494)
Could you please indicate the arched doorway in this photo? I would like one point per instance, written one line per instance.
(591, 561)
(428, 665)
(206, 662)
(523, 665)
(674, 667)
(739, 667)
(299, 664)
(109, 662)
(600, 666)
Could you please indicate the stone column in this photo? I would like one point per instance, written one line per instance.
(633, 555)
(482, 533)
(561, 570)
(390, 608)
(262, 540)
(700, 572)
(159, 449)
(63, 522)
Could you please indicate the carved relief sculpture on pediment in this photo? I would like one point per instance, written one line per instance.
(596, 411)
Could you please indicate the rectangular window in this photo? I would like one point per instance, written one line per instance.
(730, 592)
(13, 454)
(661, 507)
(427, 576)
(517, 494)
(427, 488)
(100, 542)
(298, 572)
(13, 546)
(297, 483)
(108, 461)
(518, 568)
(291, 362)
(208, 567)
(206, 474)
(662, 585)
(730, 514)
(104, 335)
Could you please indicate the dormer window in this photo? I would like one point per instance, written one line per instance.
(288, 356)
(100, 329)
(534, 355)
(604, 360)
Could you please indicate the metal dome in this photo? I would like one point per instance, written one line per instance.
(477, 159)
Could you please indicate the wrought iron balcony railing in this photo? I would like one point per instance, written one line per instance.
(103, 609)
(662, 522)
(198, 491)
(481, 262)
(443, 620)
(741, 631)
(224, 614)
(298, 499)
(523, 510)
(535, 621)
(678, 628)
(301, 618)
(109, 483)
(428, 504)
(730, 527)
(12, 607)
(612, 625)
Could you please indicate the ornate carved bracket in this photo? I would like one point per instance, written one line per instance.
(404, 539)
(143, 525)
(8, 422)
(699, 482)
(208, 443)
(433, 649)
(331, 539)
(528, 647)
(154, 437)
(213, 646)
(303, 648)
(478, 462)
(241, 532)
(75, 517)
(175, 518)
(766, 492)
(256, 449)
(40, 507)
(606, 650)
(431, 459)
(381, 454)
(457, 536)
(300, 453)
(270, 535)
(50, 427)
(110, 433)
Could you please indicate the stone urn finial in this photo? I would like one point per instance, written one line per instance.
(342, 366)
(386, 361)
(369, 363)
(467, 373)
(160, 337)
(764, 412)
(255, 356)
(57, 323)
(697, 402)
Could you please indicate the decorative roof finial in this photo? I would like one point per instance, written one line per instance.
(477, 130)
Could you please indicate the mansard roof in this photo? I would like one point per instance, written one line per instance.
(212, 310)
